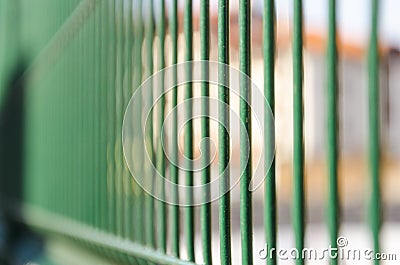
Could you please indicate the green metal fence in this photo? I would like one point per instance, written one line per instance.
(84, 60)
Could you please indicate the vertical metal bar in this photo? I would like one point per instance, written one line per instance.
(270, 210)
(51, 140)
(162, 221)
(374, 136)
(139, 224)
(60, 133)
(298, 147)
(89, 121)
(119, 89)
(224, 145)
(128, 182)
(139, 194)
(149, 201)
(175, 223)
(79, 176)
(97, 109)
(205, 131)
(69, 72)
(64, 130)
(188, 149)
(246, 221)
(91, 132)
(118, 117)
(74, 107)
(111, 116)
(103, 115)
(332, 118)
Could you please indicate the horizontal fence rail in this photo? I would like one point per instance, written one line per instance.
(82, 63)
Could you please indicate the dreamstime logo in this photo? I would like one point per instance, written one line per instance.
(139, 153)
(342, 242)
(341, 252)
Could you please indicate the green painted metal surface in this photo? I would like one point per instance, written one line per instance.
(374, 134)
(205, 133)
(298, 129)
(224, 144)
(270, 203)
(174, 175)
(188, 141)
(332, 118)
(246, 220)
(84, 61)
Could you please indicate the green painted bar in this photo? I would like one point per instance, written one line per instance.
(374, 135)
(246, 219)
(161, 209)
(205, 210)
(188, 148)
(223, 137)
(128, 182)
(270, 207)
(97, 108)
(85, 126)
(174, 209)
(149, 201)
(298, 133)
(118, 175)
(332, 118)
(62, 128)
(74, 158)
(80, 181)
(51, 128)
(91, 132)
(103, 112)
(111, 117)
(78, 175)
(91, 89)
(139, 223)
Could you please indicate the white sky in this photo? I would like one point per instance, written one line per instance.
(353, 17)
